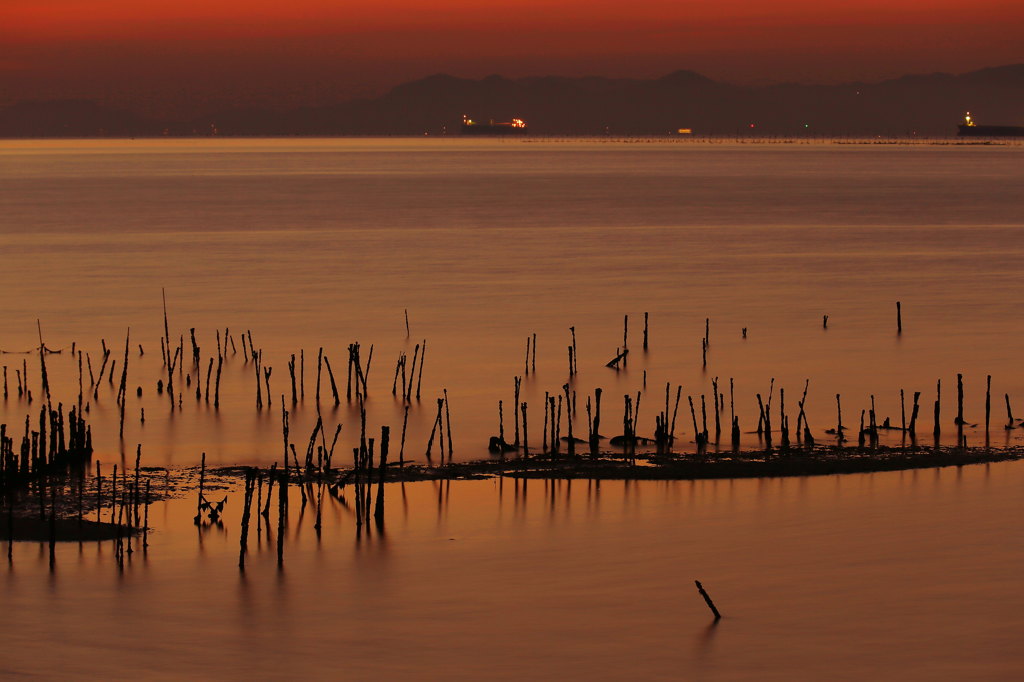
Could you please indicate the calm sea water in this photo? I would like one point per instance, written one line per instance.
(907, 575)
(321, 243)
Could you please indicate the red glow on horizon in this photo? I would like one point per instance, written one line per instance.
(274, 50)
(74, 20)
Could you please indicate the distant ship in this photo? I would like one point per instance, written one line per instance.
(516, 126)
(971, 129)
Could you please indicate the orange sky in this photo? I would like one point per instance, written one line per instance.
(154, 52)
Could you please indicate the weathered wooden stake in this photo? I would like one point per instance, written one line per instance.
(959, 400)
(707, 600)
(988, 403)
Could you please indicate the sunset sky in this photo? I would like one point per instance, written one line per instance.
(177, 56)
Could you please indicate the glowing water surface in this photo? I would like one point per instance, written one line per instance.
(321, 243)
(312, 243)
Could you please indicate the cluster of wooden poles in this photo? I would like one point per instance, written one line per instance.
(314, 478)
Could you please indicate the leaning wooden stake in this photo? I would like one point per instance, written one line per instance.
(419, 374)
(707, 599)
(243, 540)
(448, 424)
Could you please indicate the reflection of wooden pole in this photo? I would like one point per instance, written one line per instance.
(707, 599)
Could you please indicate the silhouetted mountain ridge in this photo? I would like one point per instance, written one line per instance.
(925, 104)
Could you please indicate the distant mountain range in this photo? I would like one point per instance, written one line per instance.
(926, 105)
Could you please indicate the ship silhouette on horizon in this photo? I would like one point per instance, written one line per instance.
(516, 126)
(971, 129)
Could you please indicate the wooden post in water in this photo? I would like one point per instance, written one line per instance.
(501, 424)
(675, 412)
(645, 331)
(243, 538)
(216, 390)
(572, 441)
(988, 404)
(319, 371)
(959, 400)
(899, 318)
(433, 429)
(913, 417)
(718, 423)
(544, 430)
(938, 399)
(575, 357)
(518, 382)
(419, 373)
(903, 412)
(448, 424)
(401, 451)
(412, 372)
(330, 377)
(707, 600)
(526, 442)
